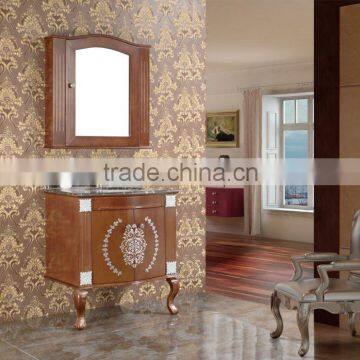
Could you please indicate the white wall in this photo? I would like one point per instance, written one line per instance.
(296, 226)
(225, 102)
(225, 92)
(220, 82)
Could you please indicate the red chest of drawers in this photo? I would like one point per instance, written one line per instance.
(224, 202)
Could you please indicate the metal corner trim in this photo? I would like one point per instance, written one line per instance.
(171, 268)
(84, 205)
(170, 200)
(86, 278)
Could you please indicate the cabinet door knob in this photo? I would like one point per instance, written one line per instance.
(71, 85)
(214, 193)
(214, 202)
(214, 212)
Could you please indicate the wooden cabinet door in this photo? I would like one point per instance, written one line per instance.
(225, 202)
(152, 222)
(108, 262)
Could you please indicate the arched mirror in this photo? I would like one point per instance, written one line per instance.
(97, 92)
(102, 94)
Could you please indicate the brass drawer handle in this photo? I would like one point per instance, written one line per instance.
(214, 193)
(214, 212)
(214, 202)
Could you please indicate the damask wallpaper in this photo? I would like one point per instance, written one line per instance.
(176, 31)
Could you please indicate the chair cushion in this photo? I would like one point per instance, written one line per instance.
(304, 290)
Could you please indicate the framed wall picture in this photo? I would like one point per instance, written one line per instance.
(222, 129)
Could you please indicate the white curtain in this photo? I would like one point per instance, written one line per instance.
(252, 127)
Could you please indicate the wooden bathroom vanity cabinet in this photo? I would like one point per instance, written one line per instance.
(101, 237)
(224, 202)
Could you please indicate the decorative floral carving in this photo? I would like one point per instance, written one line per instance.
(10, 201)
(81, 25)
(189, 66)
(164, 291)
(104, 296)
(105, 247)
(58, 153)
(165, 89)
(9, 52)
(10, 249)
(128, 297)
(189, 108)
(184, 66)
(166, 130)
(33, 223)
(154, 113)
(124, 4)
(33, 129)
(153, 69)
(144, 20)
(125, 32)
(81, 2)
(191, 232)
(183, 23)
(103, 16)
(32, 30)
(103, 153)
(189, 146)
(34, 309)
(198, 65)
(9, 101)
(9, 146)
(146, 154)
(166, 6)
(56, 11)
(166, 44)
(150, 222)
(33, 82)
(8, 9)
(187, 26)
(192, 273)
(58, 296)
(147, 290)
(133, 245)
(33, 272)
(191, 195)
(10, 299)
(198, 25)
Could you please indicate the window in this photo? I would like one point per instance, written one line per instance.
(297, 139)
(290, 121)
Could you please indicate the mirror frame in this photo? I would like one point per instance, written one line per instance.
(60, 94)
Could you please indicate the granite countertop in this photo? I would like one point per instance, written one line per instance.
(109, 191)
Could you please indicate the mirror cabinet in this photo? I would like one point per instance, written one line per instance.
(97, 92)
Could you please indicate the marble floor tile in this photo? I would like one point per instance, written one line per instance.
(209, 326)
(10, 352)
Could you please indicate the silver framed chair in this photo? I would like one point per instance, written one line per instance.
(338, 296)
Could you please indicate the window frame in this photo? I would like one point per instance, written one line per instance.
(309, 127)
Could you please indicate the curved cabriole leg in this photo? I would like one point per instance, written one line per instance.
(303, 313)
(174, 289)
(275, 309)
(80, 304)
(352, 321)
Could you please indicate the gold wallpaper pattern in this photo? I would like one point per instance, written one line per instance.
(176, 31)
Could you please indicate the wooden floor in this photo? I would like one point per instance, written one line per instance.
(248, 268)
